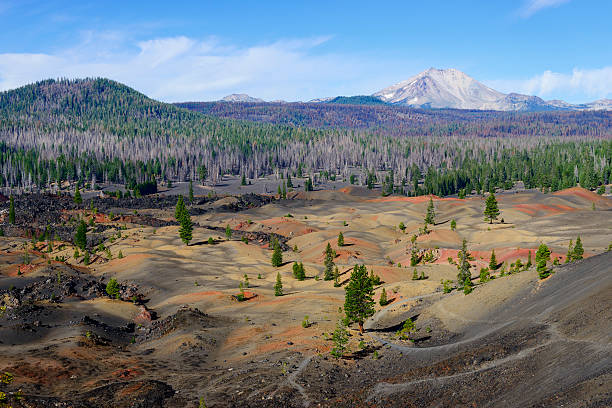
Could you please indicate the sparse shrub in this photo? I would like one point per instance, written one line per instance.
(120, 256)
(447, 285)
(402, 227)
(306, 323)
(210, 241)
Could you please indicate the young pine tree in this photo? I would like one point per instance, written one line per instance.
(80, 238)
(528, 264)
(570, 252)
(542, 256)
(430, 216)
(329, 263)
(277, 255)
(228, 232)
(358, 302)
(180, 208)
(340, 239)
(340, 337)
(493, 261)
(278, 286)
(453, 225)
(383, 298)
(77, 196)
(186, 228)
(578, 250)
(191, 191)
(463, 265)
(491, 211)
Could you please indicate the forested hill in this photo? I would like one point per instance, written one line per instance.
(77, 130)
(406, 121)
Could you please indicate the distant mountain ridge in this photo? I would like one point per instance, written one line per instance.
(240, 98)
(451, 88)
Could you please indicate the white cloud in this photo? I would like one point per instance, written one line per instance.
(533, 6)
(182, 68)
(581, 85)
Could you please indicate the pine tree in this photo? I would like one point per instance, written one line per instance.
(190, 191)
(578, 250)
(243, 181)
(383, 298)
(570, 252)
(278, 286)
(186, 228)
(430, 217)
(491, 211)
(542, 256)
(284, 193)
(340, 239)
(228, 232)
(453, 225)
(463, 265)
(415, 275)
(12, 210)
(77, 196)
(112, 288)
(277, 255)
(289, 182)
(493, 261)
(180, 208)
(296, 269)
(301, 273)
(358, 303)
(80, 238)
(329, 263)
(336, 277)
(528, 264)
(340, 337)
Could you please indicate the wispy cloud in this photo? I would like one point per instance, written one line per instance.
(182, 68)
(580, 85)
(533, 6)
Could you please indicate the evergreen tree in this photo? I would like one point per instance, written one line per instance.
(383, 298)
(296, 269)
(340, 337)
(528, 264)
(493, 261)
(430, 216)
(289, 182)
(284, 193)
(415, 275)
(308, 185)
(77, 196)
(453, 225)
(190, 191)
(570, 252)
(180, 208)
(243, 181)
(80, 238)
(542, 256)
(491, 211)
(228, 232)
(336, 277)
(277, 255)
(278, 286)
(358, 303)
(329, 263)
(340, 239)
(578, 250)
(112, 288)
(12, 210)
(186, 227)
(463, 265)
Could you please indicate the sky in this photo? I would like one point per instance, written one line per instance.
(299, 50)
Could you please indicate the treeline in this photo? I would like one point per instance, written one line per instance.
(97, 130)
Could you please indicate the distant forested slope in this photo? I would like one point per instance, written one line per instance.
(96, 128)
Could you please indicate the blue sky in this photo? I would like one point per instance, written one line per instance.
(291, 50)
